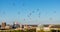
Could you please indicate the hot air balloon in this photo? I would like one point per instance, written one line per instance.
(13, 4)
(30, 14)
(30, 18)
(0, 11)
(24, 19)
(50, 18)
(54, 11)
(37, 10)
(33, 11)
(39, 15)
(3, 12)
(23, 4)
(18, 13)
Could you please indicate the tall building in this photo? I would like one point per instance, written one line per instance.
(15, 25)
(3, 25)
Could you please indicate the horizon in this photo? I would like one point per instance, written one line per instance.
(30, 11)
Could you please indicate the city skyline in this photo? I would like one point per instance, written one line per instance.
(30, 11)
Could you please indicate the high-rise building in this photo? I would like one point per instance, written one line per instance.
(3, 25)
(16, 25)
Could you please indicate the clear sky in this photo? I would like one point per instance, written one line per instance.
(30, 11)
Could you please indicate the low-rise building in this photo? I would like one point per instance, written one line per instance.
(55, 28)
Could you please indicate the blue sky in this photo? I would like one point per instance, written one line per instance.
(30, 11)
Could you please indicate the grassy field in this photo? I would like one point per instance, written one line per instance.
(32, 30)
(17, 30)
